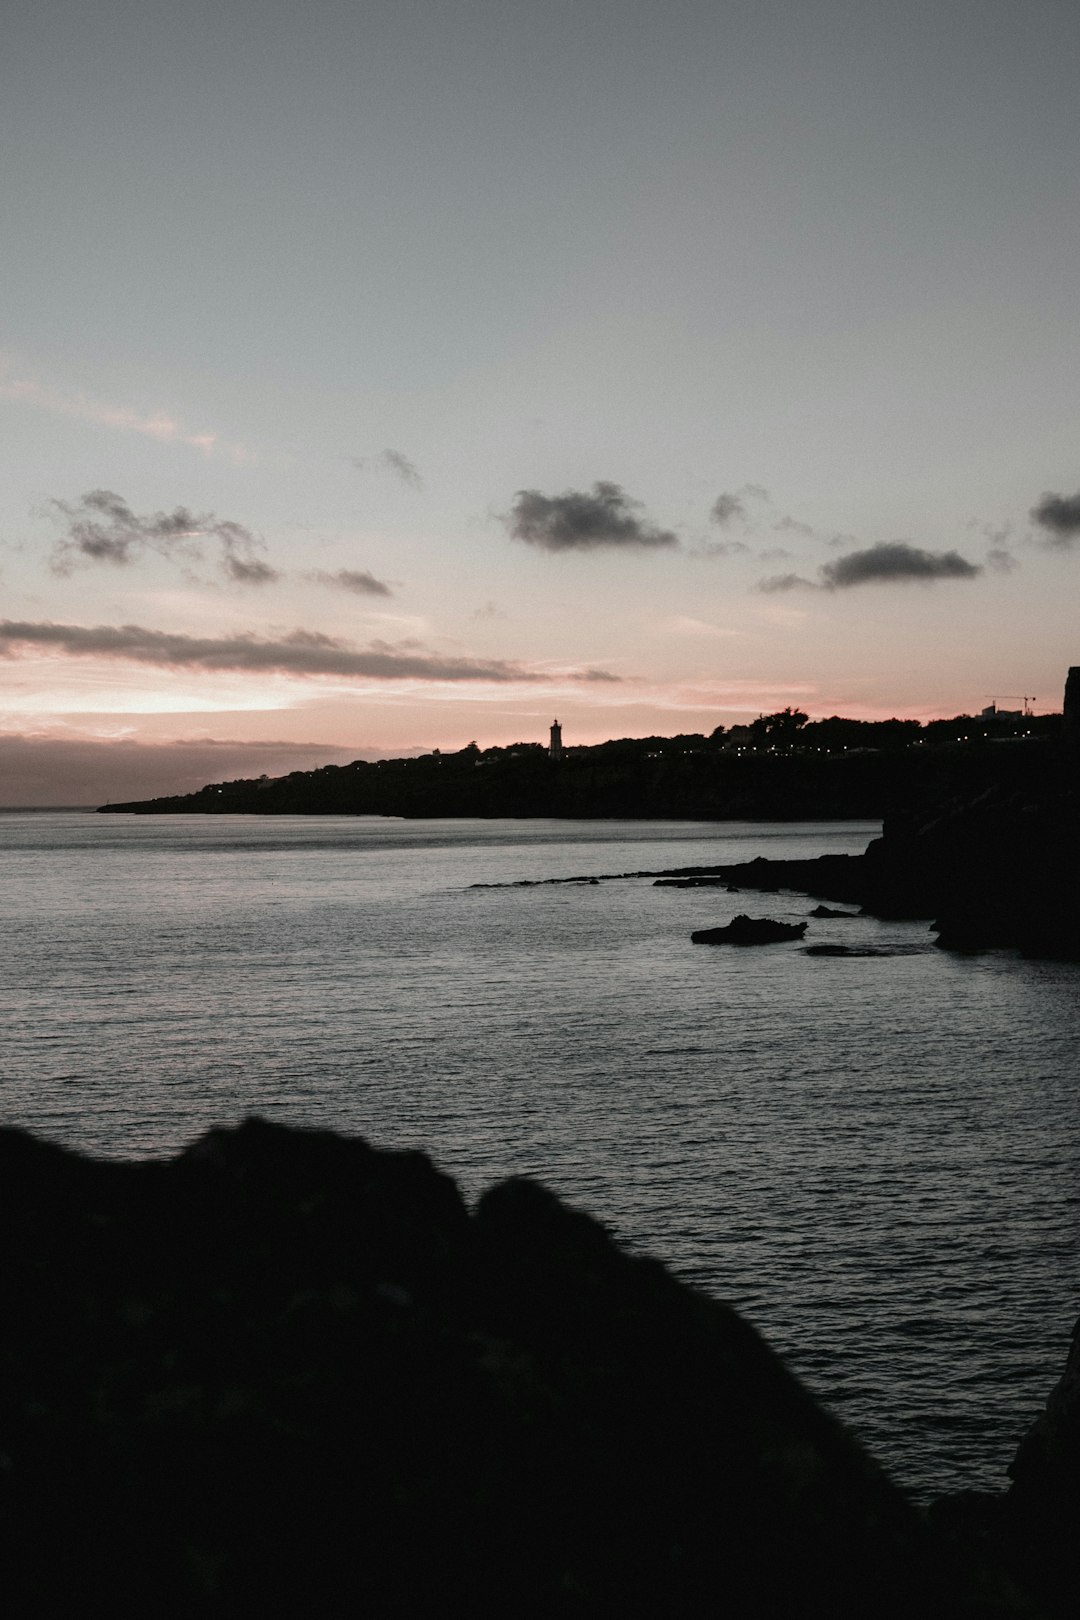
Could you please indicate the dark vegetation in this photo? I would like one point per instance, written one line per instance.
(780, 767)
(287, 1374)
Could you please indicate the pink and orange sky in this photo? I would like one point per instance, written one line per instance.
(378, 378)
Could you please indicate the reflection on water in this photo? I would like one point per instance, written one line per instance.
(874, 1156)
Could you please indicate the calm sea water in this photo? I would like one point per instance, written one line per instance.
(876, 1159)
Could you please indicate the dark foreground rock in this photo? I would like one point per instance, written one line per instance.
(286, 1374)
(744, 930)
(1033, 1531)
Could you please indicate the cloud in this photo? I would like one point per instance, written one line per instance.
(581, 521)
(890, 562)
(785, 582)
(726, 508)
(895, 562)
(405, 469)
(165, 429)
(396, 462)
(720, 548)
(790, 525)
(1001, 559)
(101, 527)
(730, 506)
(357, 580)
(1060, 515)
(489, 610)
(303, 652)
(680, 625)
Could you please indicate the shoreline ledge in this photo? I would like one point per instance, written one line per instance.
(286, 1372)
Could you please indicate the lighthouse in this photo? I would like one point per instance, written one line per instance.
(555, 745)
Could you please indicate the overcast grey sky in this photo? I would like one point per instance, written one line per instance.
(353, 308)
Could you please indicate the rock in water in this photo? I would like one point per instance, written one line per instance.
(743, 930)
(287, 1374)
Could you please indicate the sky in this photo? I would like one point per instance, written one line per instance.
(380, 376)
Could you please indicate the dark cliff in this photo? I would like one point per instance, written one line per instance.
(285, 1373)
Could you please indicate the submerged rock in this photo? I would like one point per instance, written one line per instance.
(743, 930)
(285, 1373)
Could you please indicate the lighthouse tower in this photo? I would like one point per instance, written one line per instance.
(555, 745)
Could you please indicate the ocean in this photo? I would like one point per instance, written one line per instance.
(876, 1159)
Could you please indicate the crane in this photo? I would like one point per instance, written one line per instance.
(1015, 697)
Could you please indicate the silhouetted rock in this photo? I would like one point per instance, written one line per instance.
(1030, 1532)
(287, 1374)
(829, 911)
(1042, 1518)
(743, 930)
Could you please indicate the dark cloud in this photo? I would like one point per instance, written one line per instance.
(1060, 516)
(894, 562)
(304, 652)
(394, 461)
(726, 508)
(785, 582)
(101, 527)
(582, 521)
(357, 580)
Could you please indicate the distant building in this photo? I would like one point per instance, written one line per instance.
(555, 745)
(992, 712)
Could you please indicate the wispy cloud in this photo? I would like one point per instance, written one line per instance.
(785, 582)
(731, 505)
(394, 461)
(1059, 515)
(356, 580)
(101, 527)
(894, 562)
(681, 625)
(159, 426)
(303, 652)
(720, 548)
(581, 520)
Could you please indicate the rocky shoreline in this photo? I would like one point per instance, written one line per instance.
(284, 1372)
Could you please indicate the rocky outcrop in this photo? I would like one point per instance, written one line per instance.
(285, 1373)
(1001, 868)
(744, 930)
